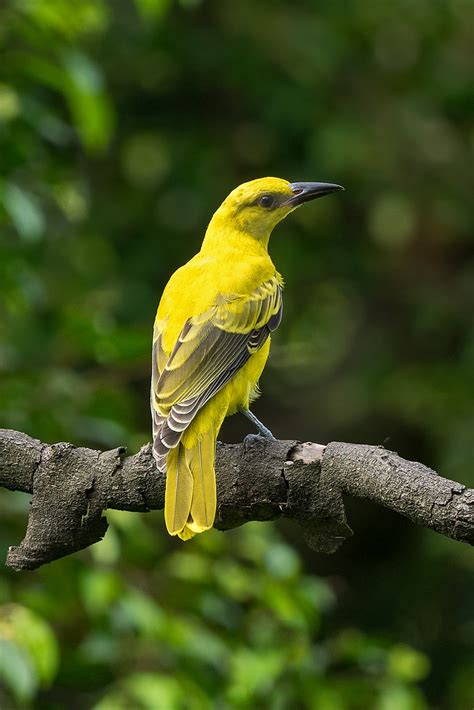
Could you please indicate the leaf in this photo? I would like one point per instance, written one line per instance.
(152, 9)
(282, 562)
(91, 109)
(24, 211)
(34, 636)
(100, 588)
(399, 697)
(9, 103)
(253, 673)
(155, 691)
(17, 671)
(69, 18)
(407, 664)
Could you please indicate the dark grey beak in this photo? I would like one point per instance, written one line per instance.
(306, 191)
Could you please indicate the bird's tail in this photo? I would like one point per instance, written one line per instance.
(190, 498)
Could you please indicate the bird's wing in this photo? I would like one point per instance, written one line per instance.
(210, 349)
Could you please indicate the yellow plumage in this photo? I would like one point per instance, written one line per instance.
(211, 341)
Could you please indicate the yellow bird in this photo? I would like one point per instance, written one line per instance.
(211, 340)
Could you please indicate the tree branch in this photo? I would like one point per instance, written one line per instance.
(260, 479)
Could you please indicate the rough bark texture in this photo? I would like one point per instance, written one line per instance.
(260, 479)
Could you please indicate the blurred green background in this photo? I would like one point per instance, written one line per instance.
(122, 126)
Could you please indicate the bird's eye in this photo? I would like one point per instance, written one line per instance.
(266, 201)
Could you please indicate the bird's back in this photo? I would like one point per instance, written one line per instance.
(205, 281)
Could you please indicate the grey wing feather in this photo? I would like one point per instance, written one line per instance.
(206, 356)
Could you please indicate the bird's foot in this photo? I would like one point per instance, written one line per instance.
(252, 440)
(261, 428)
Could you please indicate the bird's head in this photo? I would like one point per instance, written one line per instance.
(257, 206)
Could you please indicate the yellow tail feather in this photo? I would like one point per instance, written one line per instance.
(190, 499)
(186, 534)
(203, 504)
(179, 490)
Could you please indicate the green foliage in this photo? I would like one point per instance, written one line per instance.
(232, 621)
(122, 126)
(28, 651)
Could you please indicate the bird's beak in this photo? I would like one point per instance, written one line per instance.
(306, 191)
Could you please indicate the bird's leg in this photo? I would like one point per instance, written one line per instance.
(261, 428)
